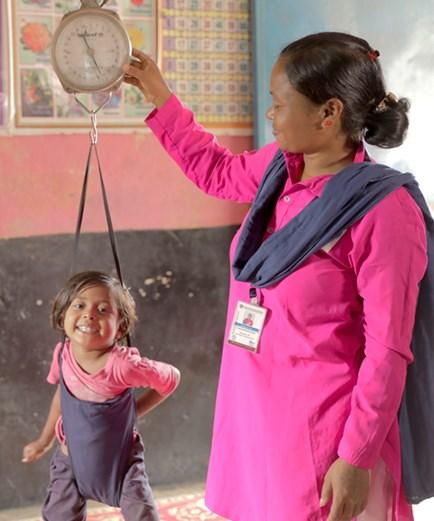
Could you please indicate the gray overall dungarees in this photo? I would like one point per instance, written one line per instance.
(101, 448)
(99, 438)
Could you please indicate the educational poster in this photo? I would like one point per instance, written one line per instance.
(206, 56)
(3, 66)
(203, 47)
(39, 96)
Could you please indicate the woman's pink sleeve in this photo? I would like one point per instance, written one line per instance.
(389, 257)
(214, 169)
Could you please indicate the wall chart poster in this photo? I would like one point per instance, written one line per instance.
(206, 57)
(203, 47)
(3, 68)
(40, 98)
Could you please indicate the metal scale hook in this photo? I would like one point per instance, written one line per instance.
(94, 129)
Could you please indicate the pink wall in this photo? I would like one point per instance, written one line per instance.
(41, 176)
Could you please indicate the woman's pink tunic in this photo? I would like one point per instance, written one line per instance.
(328, 377)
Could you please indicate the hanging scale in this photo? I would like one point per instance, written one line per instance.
(88, 50)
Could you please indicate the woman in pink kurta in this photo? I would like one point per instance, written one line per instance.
(306, 427)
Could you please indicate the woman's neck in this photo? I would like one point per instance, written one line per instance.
(327, 162)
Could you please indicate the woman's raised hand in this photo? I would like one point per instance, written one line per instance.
(143, 73)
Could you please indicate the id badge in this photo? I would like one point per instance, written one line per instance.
(247, 325)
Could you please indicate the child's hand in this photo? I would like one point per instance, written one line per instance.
(348, 487)
(143, 73)
(34, 450)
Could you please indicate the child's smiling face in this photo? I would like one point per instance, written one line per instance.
(92, 319)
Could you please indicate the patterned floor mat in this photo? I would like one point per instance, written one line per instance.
(187, 507)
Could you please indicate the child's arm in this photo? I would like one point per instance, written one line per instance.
(36, 449)
(150, 398)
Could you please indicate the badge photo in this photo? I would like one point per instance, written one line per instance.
(247, 326)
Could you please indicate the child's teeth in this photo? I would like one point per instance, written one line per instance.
(86, 329)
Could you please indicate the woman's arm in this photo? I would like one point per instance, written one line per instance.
(389, 258)
(213, 168)
(36, 449)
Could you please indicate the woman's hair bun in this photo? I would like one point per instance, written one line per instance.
(387, 123)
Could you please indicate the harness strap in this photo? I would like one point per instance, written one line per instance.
(111, 233)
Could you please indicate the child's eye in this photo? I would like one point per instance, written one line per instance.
(77, 305)
(103, 310)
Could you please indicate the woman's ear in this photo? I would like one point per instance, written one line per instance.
(331, 112)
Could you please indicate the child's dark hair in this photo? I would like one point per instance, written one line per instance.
(337, 65)
(87, 279)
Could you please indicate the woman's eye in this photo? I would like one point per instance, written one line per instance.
(103, 310)
(77, 306)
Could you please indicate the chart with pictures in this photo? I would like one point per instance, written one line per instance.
(39, 97)
(202, 46)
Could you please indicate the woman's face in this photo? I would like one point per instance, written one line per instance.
(296, 120)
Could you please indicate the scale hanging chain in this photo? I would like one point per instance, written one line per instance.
(93, 130)
(93, 3)
(92, 113)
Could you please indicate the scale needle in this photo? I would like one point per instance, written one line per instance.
(90, 51)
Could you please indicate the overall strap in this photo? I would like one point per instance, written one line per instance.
(59, 358)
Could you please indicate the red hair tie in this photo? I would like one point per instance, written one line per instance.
(373, 55)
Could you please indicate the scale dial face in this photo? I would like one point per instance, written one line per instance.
(88, 50)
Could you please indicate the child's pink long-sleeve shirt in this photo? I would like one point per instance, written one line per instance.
(328, 376)
(125, 369)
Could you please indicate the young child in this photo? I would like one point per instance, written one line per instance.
(93, 410)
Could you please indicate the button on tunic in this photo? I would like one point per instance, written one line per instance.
(329, 373)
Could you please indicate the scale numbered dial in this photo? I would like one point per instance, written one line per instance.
(89, 47)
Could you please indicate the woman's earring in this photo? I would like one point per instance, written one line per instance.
(327, 123)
